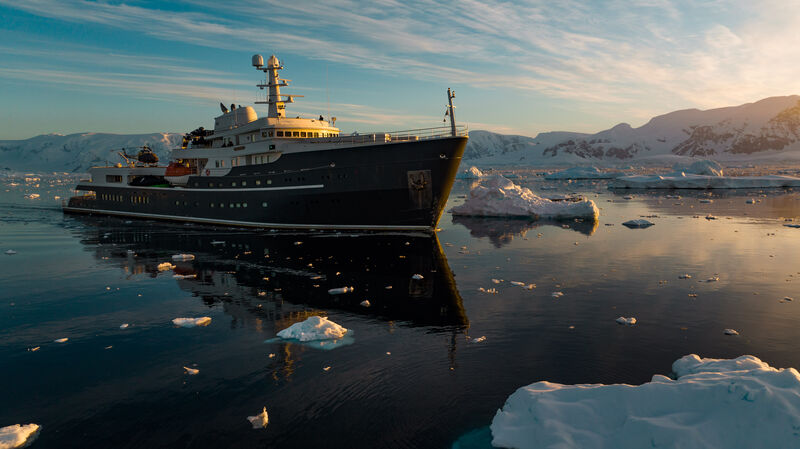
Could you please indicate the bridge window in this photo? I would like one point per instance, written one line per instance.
(113, 178)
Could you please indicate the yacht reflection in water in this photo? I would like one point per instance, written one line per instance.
(257, 275)
(502, 231)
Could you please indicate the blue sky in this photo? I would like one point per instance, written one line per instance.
(517, 67)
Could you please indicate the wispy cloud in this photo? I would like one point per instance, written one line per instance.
(633, 55)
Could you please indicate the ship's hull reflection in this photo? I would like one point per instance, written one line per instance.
(260, 272)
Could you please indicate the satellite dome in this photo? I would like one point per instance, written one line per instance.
(258, 61)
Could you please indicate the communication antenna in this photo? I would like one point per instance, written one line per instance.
(327, 90)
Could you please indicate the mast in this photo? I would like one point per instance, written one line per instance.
(277, 106)
(451, 110)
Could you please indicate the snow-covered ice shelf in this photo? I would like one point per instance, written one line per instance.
(582, 173)
(724, 403)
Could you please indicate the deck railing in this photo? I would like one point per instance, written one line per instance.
(397, 136)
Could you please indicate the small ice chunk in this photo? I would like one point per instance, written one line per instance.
(165, 266)
(711, 279)
(479, 339)
(298, 243)
(11, 252)
(183, 257)
(191, 371)
(326, 369)
(341, 290)
(184, 276)
(32, 196)
(497, 281)
(518, 283)
(192, 322)
(685, 276)
(788, 298)
(314, 328)
(731, 332)
(124, 325)
(710, 217)
(557, 294)
(638, 223)
(61, 340)
(18, 436)
(417, 277)
(365, 303)
(259, 421)
(629, 321)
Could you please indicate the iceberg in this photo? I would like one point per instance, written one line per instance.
(182, 257)
(192, 322)
(18, 436)
(314, 328)
(582, 173)
(500, 197)
(741, 402)
(471, 173)
(638, 223)
(701, 167)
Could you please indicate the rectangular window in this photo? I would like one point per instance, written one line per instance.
(113, 178)
(280, 133)
(244, 183)
(302, 133)
(316, 134)
(221, 204)
(212, 205)
(231, 205)
(264, 204)
(222, 164)
(295, 133)
(269, 181)
(270, 133)
(263, 134)
(244, 204)
(233, 184)
(258, 182)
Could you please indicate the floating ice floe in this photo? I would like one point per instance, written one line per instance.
(314, 328)
(124, 325)
(582, 173)
(184, 276)
(183, 257)
(341, 290)
(491, 290)
(638, 223)
(11, 252)
(259, 421)
(365, 303)
(787, 225)
(192, 322)
(470, 173)
(720, 403)
(499, 197)
(191, 371)
(479, 339)
(557, 294)
(685, 276)
(165, 266)
(61, 340)
(730, 332)
(629, 321)
(417, 277)
(18, 435)
(32, 196)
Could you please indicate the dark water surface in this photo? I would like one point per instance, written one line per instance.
(414, 376)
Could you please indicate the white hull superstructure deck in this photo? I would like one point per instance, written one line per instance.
(278, 171)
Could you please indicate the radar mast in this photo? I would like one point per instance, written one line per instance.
(277, 106)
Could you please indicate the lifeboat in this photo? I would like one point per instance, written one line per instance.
(178, 174)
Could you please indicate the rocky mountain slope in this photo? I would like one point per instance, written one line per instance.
(766, 129)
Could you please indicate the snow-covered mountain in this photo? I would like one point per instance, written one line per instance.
(78, 152)
(765, 130)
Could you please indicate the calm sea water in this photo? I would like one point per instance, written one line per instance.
(415, 376)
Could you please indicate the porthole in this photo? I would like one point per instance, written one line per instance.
(264, 204)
